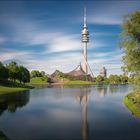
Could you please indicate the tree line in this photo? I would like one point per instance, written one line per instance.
(112, 79)
(13, 72)
(130, 42)
(37, 73)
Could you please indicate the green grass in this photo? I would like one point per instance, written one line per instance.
(12, 87)
(37, 81)
(4, 89)
(78, 82)
(132, 101)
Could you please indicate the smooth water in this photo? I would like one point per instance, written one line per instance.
(80, 112)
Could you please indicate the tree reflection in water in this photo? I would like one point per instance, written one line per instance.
(102, 90)
(113, 89)
(3, 136)
(56, 111)
(11, 102)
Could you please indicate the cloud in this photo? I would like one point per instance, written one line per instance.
(105, 20)
(2, 39)
(109, 55)
(99, 34)
(57, 41)
(64, 63)
(27, 32)
(10, 54)
(65, 43)
(67, 63)
(62, 49)
(112, 68)
(63, 52)
(112, 12)
(110, 60)
(96, 43)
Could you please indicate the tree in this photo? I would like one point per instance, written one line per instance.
(131, 45)
(45, 78)
(3, 72)
(23, 74)
(13, 70)
(106, 80)
(58, 74)
(35, 73)
(3, 136)
(124, 79)
(114, 79)
(100, 79)
(20, 73)
(42, 73)
(131, 78)
(26, 75)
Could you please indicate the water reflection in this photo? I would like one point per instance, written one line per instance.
(83, 98)
(111, 89)
(11, 102)
(114, 88)
(3, 136)
(102, 90)
(68, 112)
(85, 119)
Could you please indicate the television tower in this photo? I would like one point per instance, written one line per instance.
(85, 40)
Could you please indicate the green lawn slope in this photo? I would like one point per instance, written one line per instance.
(38, 81)
(78, 82)
(5, 89)
(132, 101)
(12, 87)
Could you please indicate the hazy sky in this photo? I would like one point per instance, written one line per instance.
(46, 34)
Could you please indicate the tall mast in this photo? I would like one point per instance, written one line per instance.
(85, 40)
(85, 18)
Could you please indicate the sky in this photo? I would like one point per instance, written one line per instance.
(46, 34)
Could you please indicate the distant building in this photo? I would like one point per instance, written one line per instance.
(103, 72)
(79, 74)
(78, 71)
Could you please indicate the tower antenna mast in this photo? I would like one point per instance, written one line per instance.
(85, 18)
(85, 40)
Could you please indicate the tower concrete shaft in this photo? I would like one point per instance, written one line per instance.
(85, 40)
(85, 57)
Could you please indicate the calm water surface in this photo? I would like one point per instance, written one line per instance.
(80, 112)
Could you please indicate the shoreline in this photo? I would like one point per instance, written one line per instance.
(4, 89)
(132, 102)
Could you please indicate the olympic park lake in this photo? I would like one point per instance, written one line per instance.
(71, 112)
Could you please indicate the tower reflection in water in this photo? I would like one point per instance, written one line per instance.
(83, 100)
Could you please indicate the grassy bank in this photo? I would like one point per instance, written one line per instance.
(4, 89)
(12, 87)
(38, 81)
(78, 82)
(132, 101)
